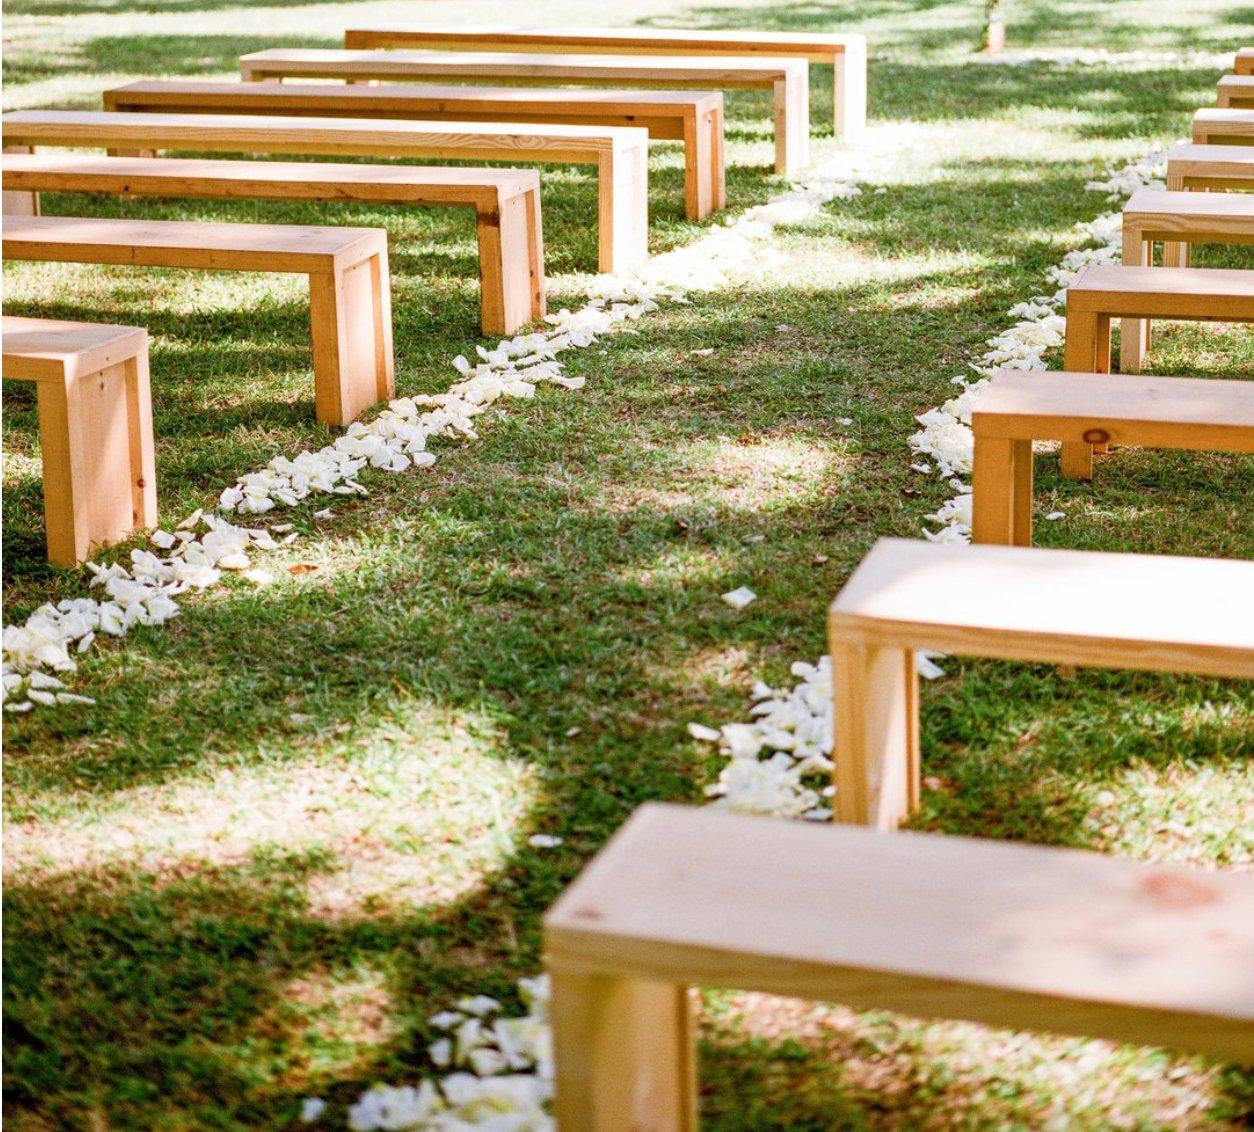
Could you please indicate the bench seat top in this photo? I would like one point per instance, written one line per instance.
(1155, 612)
(1055, 405)
(804, 43)
(1154, 204)
(1009, 934)
(1201, 293)
(707, 70)
(301, 248)
(473, 140)
(1237, 84)
(1244, 62)
(483, 189)
(1214, 122)
(167, 94)
(1211, 158)
(45, 349)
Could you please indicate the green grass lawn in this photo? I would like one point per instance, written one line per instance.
(296, 822)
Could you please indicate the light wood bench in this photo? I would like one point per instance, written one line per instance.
(846, 53)
(1236, 92)
(1099, 293)
(786, 78)
(1179, 220)
(694, 118)
(95, 429)
(1210, 167)
(1074, 607)
(1223, 127)
(506, 204)
(1007, 935)
(1244, 62)
(1016, 408)
(620, 154)
(350, 311)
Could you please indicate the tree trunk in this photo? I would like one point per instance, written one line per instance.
(994, 26)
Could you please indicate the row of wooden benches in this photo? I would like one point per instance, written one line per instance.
(93, 390)
(1008, 935)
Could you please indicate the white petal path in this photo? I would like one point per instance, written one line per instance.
(778, 761)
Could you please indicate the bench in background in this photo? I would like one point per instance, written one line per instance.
(1223, 127)
(1075, 607)
(786, 78)
(846, 53)
(506, 204)
(694, 118)
(1099, 293)
(95, 429)
(350, 310)
(1016, 408)
(1179, 220)
(619, 154)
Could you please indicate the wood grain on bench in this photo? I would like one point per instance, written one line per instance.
(620, 154)
(1151, 612)
(1016, 408)
(786, 78)
(694, 118)
(506, 204)
(846, 53)
(349, 293)
(1008, 935)
(95, 429)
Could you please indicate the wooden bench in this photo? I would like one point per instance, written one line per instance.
(1099, 293)
(694, 118)
(1244, 62)
(620, 154)
(506, 204)
(1223, 127)
(1236, 92)
(1016, 408)
(785, 77)
(1210, 167)
(350, 310)
(1074, 607)
(1179, 220)
(95, 429)
(846, 53)
(1007, 935)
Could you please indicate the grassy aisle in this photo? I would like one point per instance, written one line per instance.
(297, 821)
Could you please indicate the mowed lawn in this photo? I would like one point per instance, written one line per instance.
(296, 822)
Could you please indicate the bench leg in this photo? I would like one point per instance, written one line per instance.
(849, 92)
(705, 189)
(623, 209)
(511, 264)
(792, 126)
(1176, 254)
(1134, 333)
(17, 202)
(877, 734)
(100, 481)
(1002, 486)
(623, 1053)
(350, 313)
(1087, 350)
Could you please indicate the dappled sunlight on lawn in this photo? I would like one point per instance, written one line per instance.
(402, 816)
